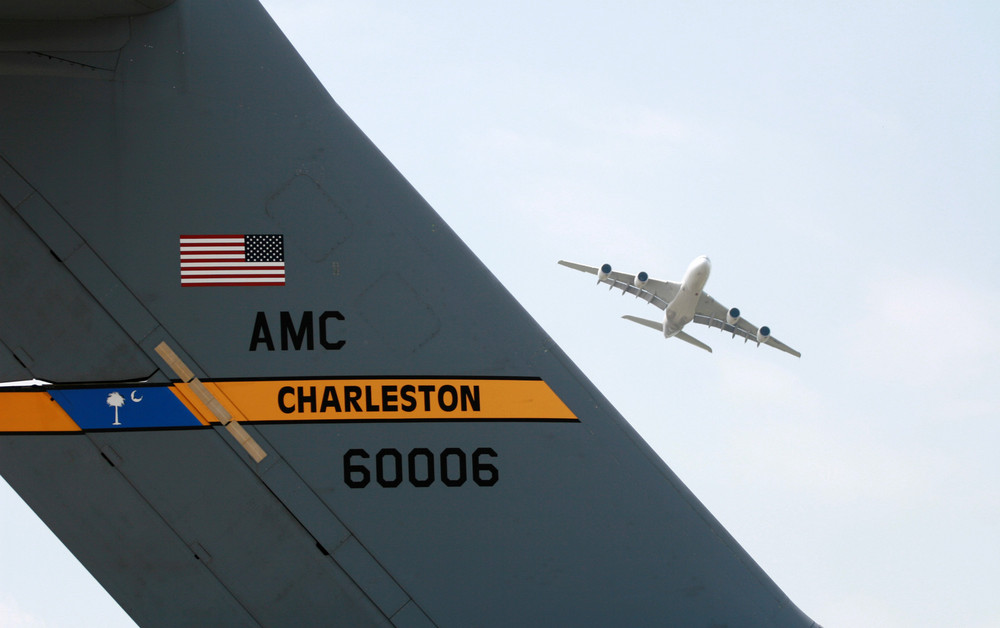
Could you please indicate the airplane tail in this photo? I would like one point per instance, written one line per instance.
(659, 327)
(645, 322)
(268, 406)
(692, 340)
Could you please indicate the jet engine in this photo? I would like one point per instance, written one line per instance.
(641, 279)
(763, 334)
(733, 316)
(603, 272)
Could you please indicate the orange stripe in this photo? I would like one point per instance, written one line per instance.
(22, 411)
(392, 399)
(328, 400)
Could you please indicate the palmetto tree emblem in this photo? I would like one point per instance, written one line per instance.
(116, 401)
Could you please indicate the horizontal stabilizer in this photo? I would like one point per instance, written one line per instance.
(659, 327)
(691, 339)
(644, 321)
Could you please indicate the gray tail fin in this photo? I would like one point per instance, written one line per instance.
(284, 391)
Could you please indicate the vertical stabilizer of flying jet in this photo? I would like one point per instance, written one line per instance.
(266, 406)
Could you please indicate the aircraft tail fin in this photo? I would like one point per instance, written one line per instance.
(286, 390)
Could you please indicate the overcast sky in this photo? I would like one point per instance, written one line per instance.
(839, 163)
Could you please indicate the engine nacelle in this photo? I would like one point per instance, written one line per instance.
(603, 272)
(733, 316)
(640, 279)
(763, 334)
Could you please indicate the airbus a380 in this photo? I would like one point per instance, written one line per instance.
(683, 303)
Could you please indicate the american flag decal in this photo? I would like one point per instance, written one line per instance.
(233, 260)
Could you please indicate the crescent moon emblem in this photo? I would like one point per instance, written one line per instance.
(134, 398)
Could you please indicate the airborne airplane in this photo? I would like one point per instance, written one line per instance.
(683, 303)
(265, 408)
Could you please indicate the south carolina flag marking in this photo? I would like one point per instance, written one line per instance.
(233, 260)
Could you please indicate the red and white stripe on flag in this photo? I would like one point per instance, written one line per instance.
(232, 260)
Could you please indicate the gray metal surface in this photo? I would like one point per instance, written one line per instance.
(76, 9)
(206, 121)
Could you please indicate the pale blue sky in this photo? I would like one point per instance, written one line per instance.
(838, 163)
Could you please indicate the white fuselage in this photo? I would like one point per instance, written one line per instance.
(680, 312)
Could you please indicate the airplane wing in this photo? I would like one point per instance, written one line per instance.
(711, 313)
(653, 291)
(264, 409)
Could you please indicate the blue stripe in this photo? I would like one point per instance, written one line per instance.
(132, 408)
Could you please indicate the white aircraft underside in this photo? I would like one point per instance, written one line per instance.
(683, 303)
